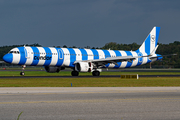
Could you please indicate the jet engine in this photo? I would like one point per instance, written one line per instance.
(84, 67)
(53, 69)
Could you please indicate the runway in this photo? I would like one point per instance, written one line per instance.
(87, 103)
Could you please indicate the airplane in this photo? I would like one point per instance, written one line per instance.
(84, 60)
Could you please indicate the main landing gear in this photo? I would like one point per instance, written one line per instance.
(95, 73)
(74, 73)
(22, 73)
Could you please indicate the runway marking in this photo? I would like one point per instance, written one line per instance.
(101, 100)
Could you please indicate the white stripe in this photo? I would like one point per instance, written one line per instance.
(113, 54)
(90, 54)
(152, 41)
(66, 61)
(144, 59)
(142, 48)
(101, 54)
(41, 53)
(78, 54)
(30, 57)
(123, 64)
(54, 58)
(16, 57)
(134, 62)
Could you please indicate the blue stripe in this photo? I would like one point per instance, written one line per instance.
(140, 60)
(48, 55)
(148, 61)
(147, 45)
(36, 51)
(72, 57)
(107, 54)
(157, 34)
(95, 53)
(59, 61)
(84, 54)
(117, 55)
(22, 56)
(128, 63)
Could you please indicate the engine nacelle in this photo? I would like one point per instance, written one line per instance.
(84, 67)
(53, 69)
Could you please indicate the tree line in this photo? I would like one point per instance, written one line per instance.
(171, 61)
(163, 49)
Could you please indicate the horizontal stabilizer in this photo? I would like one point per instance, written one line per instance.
(2, 62)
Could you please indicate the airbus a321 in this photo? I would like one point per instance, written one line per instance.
(85, 60)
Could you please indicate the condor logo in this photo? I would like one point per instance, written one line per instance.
(42, 58)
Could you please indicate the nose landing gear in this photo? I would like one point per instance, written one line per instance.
(22, 73)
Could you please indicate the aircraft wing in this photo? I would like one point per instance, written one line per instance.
(104, 61)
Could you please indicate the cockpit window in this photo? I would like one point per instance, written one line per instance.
(15, 52)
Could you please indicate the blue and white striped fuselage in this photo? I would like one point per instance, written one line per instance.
(50, 56)
(85, 60)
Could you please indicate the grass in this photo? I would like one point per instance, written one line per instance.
(85, 82)
(68, 73)
(19, 115)
(91, 82)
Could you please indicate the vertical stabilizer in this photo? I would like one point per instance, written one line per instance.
(149, 46)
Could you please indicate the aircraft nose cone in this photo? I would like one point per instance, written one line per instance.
(8, 58)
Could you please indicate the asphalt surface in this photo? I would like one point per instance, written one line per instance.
(96, 103)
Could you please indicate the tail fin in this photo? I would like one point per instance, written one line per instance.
(149, 45)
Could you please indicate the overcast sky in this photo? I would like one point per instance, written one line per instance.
(87, 22)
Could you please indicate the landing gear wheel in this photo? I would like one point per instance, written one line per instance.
(74, 73)
(22, 73)
(95, 73)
